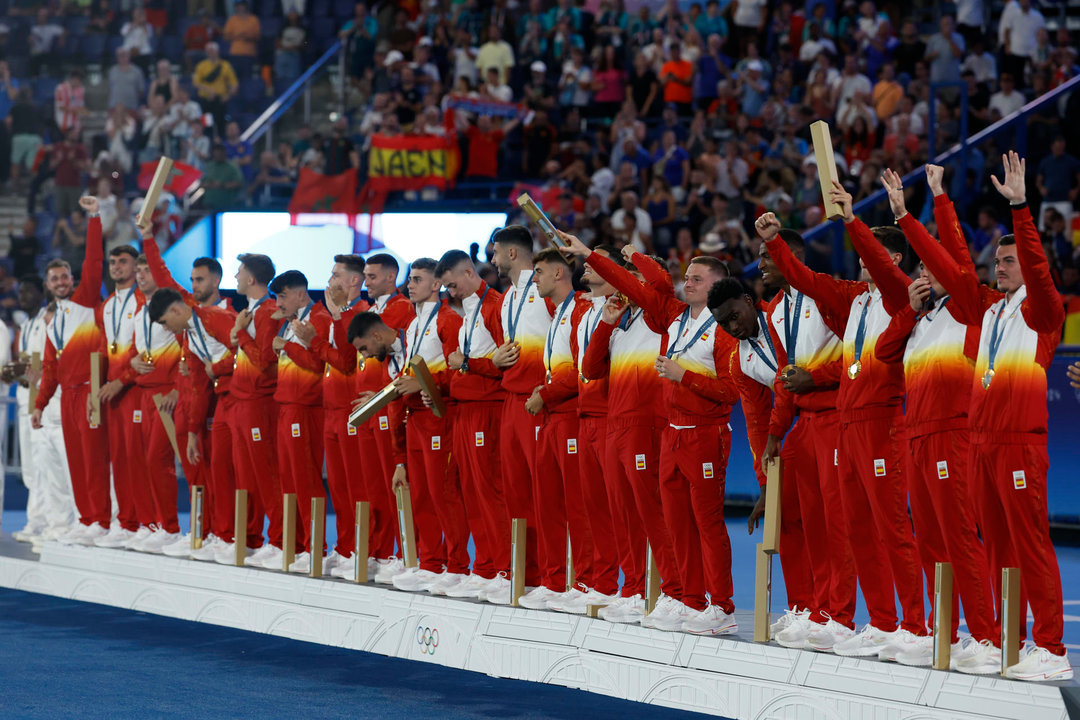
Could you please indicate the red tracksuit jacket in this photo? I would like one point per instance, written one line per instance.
(526, 318)
(592, 394)
(753, 368)
(433, 336)
(481, 330)
(299, 370)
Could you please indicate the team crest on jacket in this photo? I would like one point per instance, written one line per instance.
(571, 446)
(707, 471)
(296, 429)
(639, 461)
(384, 422)
(879, 467)
(256, 434)
(1019, 480)
(436, 442)
(480, 439)
(351, 430)
(942, 470)
(136, 416)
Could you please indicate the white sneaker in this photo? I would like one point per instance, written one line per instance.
(901, 640)
(333, 560)
(117, 537)
(209, 548)
(27, 534)
(711, 621)
(1041, 665)
(578, 600)
(138, 544)
(301, 564)
(469, 588)
(255, 559)
(180, 548)
(91, 533)
(138, 536)
(344, 569)
(416, 580)
(388, 569)
(786, 619)
(670, 618)
(920, 653)
(226, 554)
(624, 610)
(272, 559)
(158, 540)
(867, 643)
(538, 598)
(497, 591)
(53, 533)
(447, 582)
(984, 658)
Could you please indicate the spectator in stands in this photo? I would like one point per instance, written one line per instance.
(539, 136)
(103, 20)
(69, 102)
(46, 39)
(242, 31)
(980, 62)
(197, 36)
(1007, 100)
(69, 160)
(644, 89)
(340, 153)
(493, 88)
(183, 113)
(120, 128)
(1058, 181)
(358, 35)
(677, 75)
(748, 24)
(575, 87)
(222, 181)
(289, 43)
(127, 82)
(9, 92)
(270, 173)
(944, 51)
(753, 88)
(108, 207)
(238, 151)
(816, 43)
(425, 69)
(195, 148)
(496, 54)
(155, 137)
(165, 84)
(484, 142)
(26, 125)
(1018, 35)
(887, 93)
(910, 50)
(25, 248)
(137, 35)
(215, 81)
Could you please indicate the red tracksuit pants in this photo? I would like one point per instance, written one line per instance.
(254, 428)
(821, 576)
(873, 478)
(633, 456)
(610, 539)
(1011, 495)
(339, 444)
(134, 455)
(435, 489)
(194, 473)
(517, 449)
(693, 464)
(476, 445)
(88, 457)
(220, 502)
(156, 459)
(300, 460)
(119, 411)
(375, 475)
(942, 509)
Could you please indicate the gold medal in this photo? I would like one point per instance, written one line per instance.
(854, 370)
(584, 380)
(113, 348)
(548, 379)
(988, 377)
(147, 357)
(788, 369)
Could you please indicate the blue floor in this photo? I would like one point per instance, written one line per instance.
(62, 658)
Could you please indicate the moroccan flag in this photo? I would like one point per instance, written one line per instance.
(182, 178)
(317, 193)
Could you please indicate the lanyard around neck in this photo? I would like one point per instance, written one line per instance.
(555, 328)
(513, 317)
(770, 359)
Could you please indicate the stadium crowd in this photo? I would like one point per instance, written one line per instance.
(668, 126)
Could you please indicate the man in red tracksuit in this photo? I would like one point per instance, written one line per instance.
(374, 436)
(526, 318)
(207, 321)
(475, 386)
(73, 334)
(116, 317)
(938, 353)
(1019, 333)
(809, 355)
(299, 394)
(598, 495)
(155, 356)
(872, 454)
(255, 414)
(433, 476)
(344, 298)
(623, 348)
(695, 445)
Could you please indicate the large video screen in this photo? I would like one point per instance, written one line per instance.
(310, 245)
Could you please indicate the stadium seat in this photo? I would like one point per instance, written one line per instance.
(93, 47)
(322, 29)
(252, 93)
(271, 26)
(318, 8)
(71, 48)
(269, 8)
(44, 87)
(171, 48)
(242, 65)
(111, 46)
(76, 24)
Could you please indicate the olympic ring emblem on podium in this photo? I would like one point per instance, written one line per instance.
(427, 639)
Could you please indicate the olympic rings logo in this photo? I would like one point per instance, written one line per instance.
(427, 639)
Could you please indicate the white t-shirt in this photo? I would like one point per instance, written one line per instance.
(644, 222)
(969, 12)
(1006, 104)
(851, 84)
(1023, 28)
(749, 13)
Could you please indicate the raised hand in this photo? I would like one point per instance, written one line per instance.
(842, 197)
(919, 293)
(1073, 371)
(304, 331)
(935, 175)
(89, 203)
(613, 309)
(573, 246)
(628, 252)
(894, 186)
(767, 226)
(1013, 189)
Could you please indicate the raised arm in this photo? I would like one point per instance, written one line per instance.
(88, 294)
(892, 343)
(961, 283)
(720, 389)
(158, 268)
(948, 224)
(890, 279)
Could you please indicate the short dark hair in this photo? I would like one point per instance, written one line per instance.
(516, 235)
(613, 254)
(892, 238)
(34, 280)
(288, 280)
(140, 259)
(161, 301)
(362, 324)
(124, 250)
(450, 260)
(549, 255)
(793, 240)
(209, 263)
(425, 263)
(353, 263)
(715, 264)
(58, 263)
(727, 289)
(384, 260)
(261, 267)
(1009, 239)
